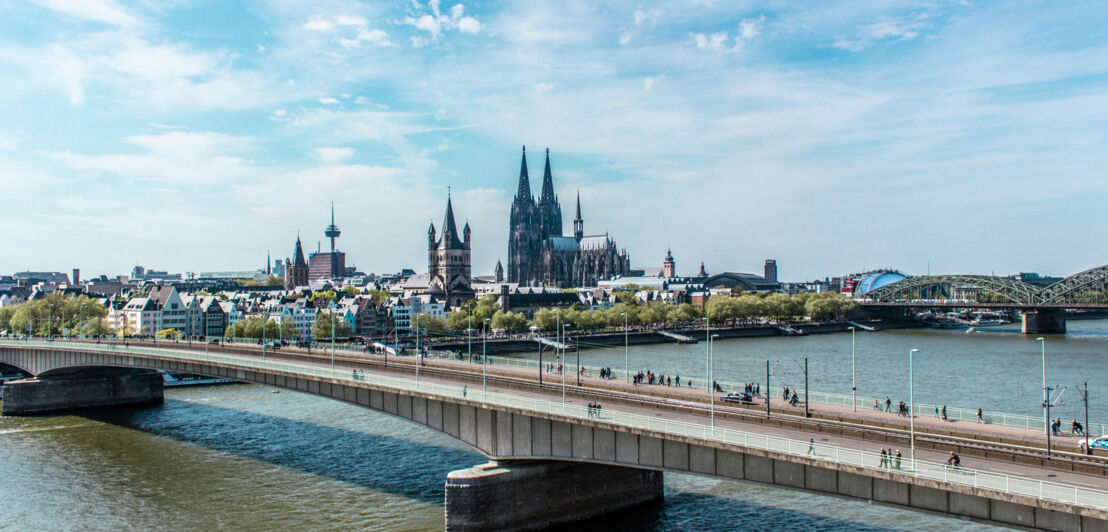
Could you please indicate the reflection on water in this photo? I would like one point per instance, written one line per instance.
(240, 457)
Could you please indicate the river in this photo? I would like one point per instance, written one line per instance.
(241, 457)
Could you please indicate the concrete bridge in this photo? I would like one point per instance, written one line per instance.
(553, 461)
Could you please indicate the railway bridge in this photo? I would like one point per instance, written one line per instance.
(552, 460)
(1043, 307)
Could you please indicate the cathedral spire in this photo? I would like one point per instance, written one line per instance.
(524, 183)
(547, 182)
(578, 223)
(449, 228)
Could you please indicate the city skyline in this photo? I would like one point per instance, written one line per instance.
(834, 138)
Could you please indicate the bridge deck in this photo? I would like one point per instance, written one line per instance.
(989, 465)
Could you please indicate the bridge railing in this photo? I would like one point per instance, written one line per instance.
(1076, 495)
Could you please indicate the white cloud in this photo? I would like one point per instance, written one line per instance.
(333, 155)
(469, 25)
(750, 28)
(105, 11)
(71, 70)
(350, 20)
(318, 23)
(435, 23)
(648, 82)
(375, 37)
(327, 100)
(714, 41)
(178, 156)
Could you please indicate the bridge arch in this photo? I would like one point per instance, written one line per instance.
(1011, 290)
(1063, 290)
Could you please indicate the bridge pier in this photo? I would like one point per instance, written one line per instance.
(539, 494)
(1044, 321)
(45, 395)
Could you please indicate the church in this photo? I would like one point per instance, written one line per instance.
(538, 253)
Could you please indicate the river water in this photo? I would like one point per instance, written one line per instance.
(241, 457)
(997, 369)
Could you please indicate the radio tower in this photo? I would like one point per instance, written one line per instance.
(332, 232)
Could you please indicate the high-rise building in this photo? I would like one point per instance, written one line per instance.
(771, 270)
(449, 261)
(538, 254)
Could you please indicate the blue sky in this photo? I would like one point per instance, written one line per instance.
(832, 136)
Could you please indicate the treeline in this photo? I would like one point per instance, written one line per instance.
(56, 314)
(721, 308)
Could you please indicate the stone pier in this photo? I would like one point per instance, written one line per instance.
(1044, 321)
(46, 395)
(535, 495)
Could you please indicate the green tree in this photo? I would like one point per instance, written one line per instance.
(485, 308)
(96, 327)
(510, 321)
(351, 290)
(430, 323)
(379, 296)
(288, 328)
(322, 326)
(685, 312)
(458, 320)
(546, 319)
(168, 334)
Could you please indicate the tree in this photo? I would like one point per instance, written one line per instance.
(96, 327)
(322, 326)
(351, 290)
(429, 322)
(379, 296)
(288, 328)
(686, 312)
(458, 320)
(546, 319)
(510, 321)
(53, 314)
(485, 308)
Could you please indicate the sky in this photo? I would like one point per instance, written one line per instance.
(834, 137)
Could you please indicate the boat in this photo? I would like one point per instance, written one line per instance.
(172, 379)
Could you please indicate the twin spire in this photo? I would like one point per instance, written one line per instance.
(547, 180)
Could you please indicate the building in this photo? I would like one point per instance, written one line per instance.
(771, 270)
(669, 266)
(538, 254)
(330, 265)
(296, 268)
(448, 261)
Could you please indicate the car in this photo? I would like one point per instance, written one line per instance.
(738, 397)
(214, 341)
(273, 345)
(1099, 443)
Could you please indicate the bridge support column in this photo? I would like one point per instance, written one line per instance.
(48, 395)
(1044, 321)
(533, 495)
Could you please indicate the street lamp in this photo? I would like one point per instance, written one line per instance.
(853, 382)
(563, 362)
(417, 347)
(1046, 396)
(469, 337)
(712, 380)
(626, 366)
(265, 321)
(332, 338)
(484, 357)
(912, 408)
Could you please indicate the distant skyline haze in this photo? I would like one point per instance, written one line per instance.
(834, 137)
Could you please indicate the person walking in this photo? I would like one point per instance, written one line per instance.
(884, 459)
(898, 459)
(944, 412)
(876, 407)
(979, 418)
(464, 391)
(811, 447)
(888, 404)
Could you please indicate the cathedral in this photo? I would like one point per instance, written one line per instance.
(538, 254)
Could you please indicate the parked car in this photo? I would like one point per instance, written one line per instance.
(273, 344)
(1099, 443)
(738, 397)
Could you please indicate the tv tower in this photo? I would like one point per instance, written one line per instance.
(332, 231)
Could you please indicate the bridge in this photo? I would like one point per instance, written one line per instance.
(1043, 307)
(552, 460)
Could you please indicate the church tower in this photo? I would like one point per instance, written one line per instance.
(524, 237)
(669, 267)
(296, 268)
(578, 223)
(448, 260)
(498, 273)
(550, 211)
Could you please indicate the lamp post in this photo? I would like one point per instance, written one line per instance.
(712, 380)
(469, 338)
(484, 358)
(265, 321)
(417, 347)
(912, 408)
(853, 382)
(332, 339)
(626, 365)
(1046, 396)
(564, 367)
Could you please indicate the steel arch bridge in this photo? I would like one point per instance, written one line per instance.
(1010, 290)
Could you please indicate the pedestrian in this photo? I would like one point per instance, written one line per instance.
(1077, 429)
(979, 418)
(464, 390)
(898, 458)
(944, 413)
(884, 459)
(876, 407)
(811, 447)
(888, 403)
(936, 411)
(678, 380)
